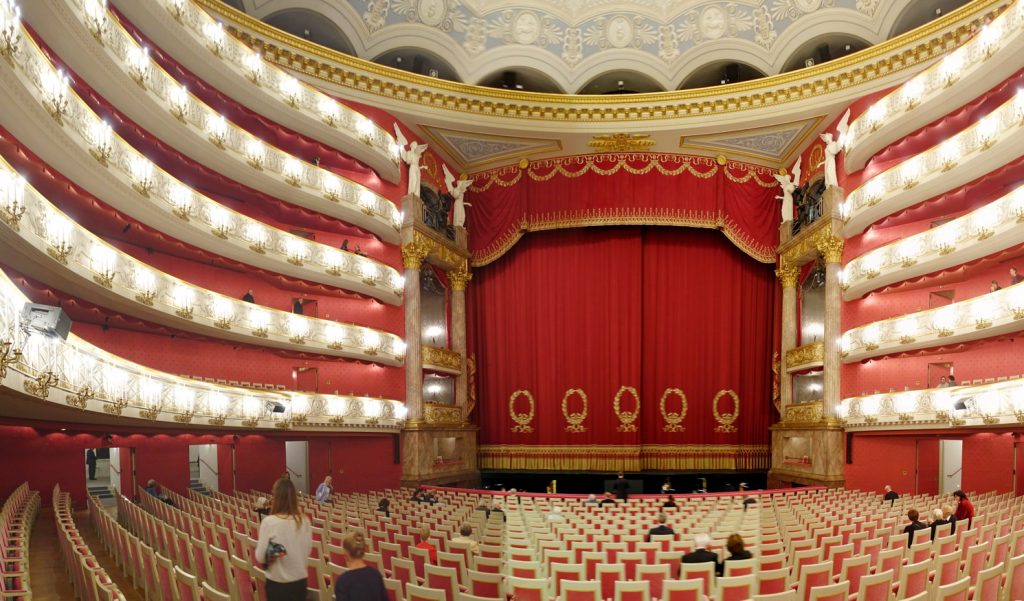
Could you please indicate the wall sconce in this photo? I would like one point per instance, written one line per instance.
(223, 312)
(949, 154)
(944, 322)
(300, 408)
(12, 197)
(398, 347)
(59, 231)
(96, 18)
(335, 262)
(41, 384)
(217, 130)
(139, 64)
(988, 130)
(328, 110)
(182, 297)
(293, 171)
(336, 409)
(983, 310)
(259, 321)
(217, 404)
(367, 201)
(184, 405)
(257, 237)
(369, 273)
(984, 222)
(296, 250)
(215, 37)
(101, 141)
(255, 153)
(365, 129)
(906, 328)
(298, 329)
(335, 335)
(331, 186)
(220, 221)
(10, 30)
(181, 198)
(177, 8)
(869, 409)
(145, 284)
(180, 101)
(104, 262)
(371, 342)
(905, 405)
(290, 89)
(9, 356)
(944, 238)
(253, 65)
(55, 93)
(141, 172)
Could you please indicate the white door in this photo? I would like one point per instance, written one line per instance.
(115, 471)
(208, 470)
(296, 457)
(951, 464)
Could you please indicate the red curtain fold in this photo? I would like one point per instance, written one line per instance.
(624, 189)
(602, 310)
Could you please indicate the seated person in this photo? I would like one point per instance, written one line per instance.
(950, 517)
(424, 536)
(591, 500)
(937, 520)
(466, 537)
(152, 488)
(262, 507)
(498, 510)
(671, 502)
(555, 515)
(736, 548)
(608, 499)
(701, 553)
(890, 495)
(384, 506)
(913, 526)
(661, 528)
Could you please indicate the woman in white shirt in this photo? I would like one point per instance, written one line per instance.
(285, 541)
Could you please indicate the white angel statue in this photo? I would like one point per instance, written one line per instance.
(411, 156)
(789, 184)
(458, 191)
(833, 146)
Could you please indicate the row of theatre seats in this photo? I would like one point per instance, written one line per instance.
(824, 545)
(87, 576)
(16, 519)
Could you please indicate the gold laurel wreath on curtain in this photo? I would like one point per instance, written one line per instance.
(673, 420)
(522, 420)
(627, 419)
(726, 420)
(575, 420)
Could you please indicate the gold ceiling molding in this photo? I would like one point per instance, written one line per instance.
(473, 150)
(611, 458)
(881, 60)
(621, 142)
(670, 164)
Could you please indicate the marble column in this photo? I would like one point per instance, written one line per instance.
(459, 279)
(788, 275)
(831, 249)
(413, 254)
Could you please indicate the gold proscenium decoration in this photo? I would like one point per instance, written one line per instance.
(621, 142)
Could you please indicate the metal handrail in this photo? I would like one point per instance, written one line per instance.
(215, 472)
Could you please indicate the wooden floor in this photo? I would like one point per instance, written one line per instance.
(47, 576)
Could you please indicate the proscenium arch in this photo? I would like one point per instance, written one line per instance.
(322, 30)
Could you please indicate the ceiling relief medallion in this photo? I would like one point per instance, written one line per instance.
(469, 150)
(619, 32)
(713, 22)
(621, 142)
(527, 28)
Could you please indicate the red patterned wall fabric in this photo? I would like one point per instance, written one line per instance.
(624, 189)
(637, 313)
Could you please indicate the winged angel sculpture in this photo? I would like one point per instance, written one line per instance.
(458, 191)
(411, 156)
(789, 184)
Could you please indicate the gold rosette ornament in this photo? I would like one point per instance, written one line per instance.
(522, 420)
(627, 419)
(726, 420)
(575, 420)
(673, 420)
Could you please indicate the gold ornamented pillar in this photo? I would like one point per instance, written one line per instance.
(413, 254)
(788, 275)
(831, 249)
(459, 279)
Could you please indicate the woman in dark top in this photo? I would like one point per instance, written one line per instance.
(362, 582)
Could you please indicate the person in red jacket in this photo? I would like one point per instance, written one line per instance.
(964, 507)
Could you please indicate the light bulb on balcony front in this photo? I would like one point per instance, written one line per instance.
(296, 249)
(905, 403)
(336, 406)
(1014, 299)
(983, 311)
(101, 141)
(908, 251)
(874, 190)
(869, 406)
(217, 129)
(331, 186)
(328, 110)
(906, 328)
(945, 237)
(259, 321)
(989, 403)
(944, 321)
(364, 127)
(335, 335)
(255, 153)
(12, 193)
(253, 65)
(223, 309)
(58, 230)
(150, 392)
(179, 101)
(293, 171)
(370, 339)
(398, 347)
(251, 407)
(141, 173)
(371, 408)
(298, 327)
(984, 221)
(876, 114)
(401, 412)
(220, 220)
(217, 403)
(184, 399)
(55, 88)
(182, 296)
(988, 129)
(181, 198)
(368, 270)
(871, 264)
(870, 336)
(397, 281)
(103, 258)
(911, 94)
(138, 63)
(290, 89)
(367, 200)
(910, 172)
(144, 280)
(949, 69)
(215, 36)
(990, 36)
(949, 153)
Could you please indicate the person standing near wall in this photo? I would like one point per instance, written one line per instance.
(323, 492)
(90, 462)
(285, 540)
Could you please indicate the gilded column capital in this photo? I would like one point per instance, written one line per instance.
(460, 278)
(788, 275)
(413, 254)
(831, 248)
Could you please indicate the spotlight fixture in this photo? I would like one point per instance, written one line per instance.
(809, 62)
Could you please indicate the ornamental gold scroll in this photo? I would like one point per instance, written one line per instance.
(726, 420)
(627, 419)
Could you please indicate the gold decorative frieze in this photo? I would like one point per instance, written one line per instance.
(621, 142)
(856, 70)
(808, 354)
(805, 413)
(442, 415)
(788, 274)
(612, 458)
(441, 357)
(413, 254)
(817, 240)
(460, 278)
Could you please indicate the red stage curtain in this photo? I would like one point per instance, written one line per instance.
(604, 308)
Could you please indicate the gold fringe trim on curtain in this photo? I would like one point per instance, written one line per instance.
(632, 216)
(611, 458)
